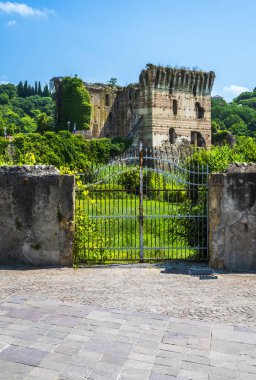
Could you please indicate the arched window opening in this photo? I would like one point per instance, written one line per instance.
(199, 111)
(137, 92)
(175, 107)
(107, 100)
(110, 117)
(172, 136)
(200, 140)
(197, 139)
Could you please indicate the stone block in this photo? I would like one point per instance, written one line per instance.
(37, 207)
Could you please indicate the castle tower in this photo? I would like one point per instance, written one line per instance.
(175, 104)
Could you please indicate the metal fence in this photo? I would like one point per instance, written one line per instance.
(143, 207)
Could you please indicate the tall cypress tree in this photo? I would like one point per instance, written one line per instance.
(25, 89)
(36, 89)
(39, 89)
(20, 89)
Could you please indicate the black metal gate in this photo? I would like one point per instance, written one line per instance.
(143, 207)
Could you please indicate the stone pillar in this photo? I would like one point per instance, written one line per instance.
(37, 207)
(232, 222)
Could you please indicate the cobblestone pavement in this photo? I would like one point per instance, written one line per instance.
(49, 339)
(225, 298)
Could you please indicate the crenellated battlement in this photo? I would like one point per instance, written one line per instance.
(177, 80)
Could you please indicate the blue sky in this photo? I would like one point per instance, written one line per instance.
(100, 39)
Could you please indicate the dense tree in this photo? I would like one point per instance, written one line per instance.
(238, 118)
(28, 124)
(75, 104)
(8, 89)
(44, 123)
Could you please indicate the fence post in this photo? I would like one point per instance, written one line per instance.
(141, 203)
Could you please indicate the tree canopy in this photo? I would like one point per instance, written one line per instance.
(75, 104)
(22, 107)
(237, 118)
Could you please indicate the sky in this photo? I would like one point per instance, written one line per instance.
(100, 39)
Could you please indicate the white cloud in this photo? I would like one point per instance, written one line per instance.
(22, 9)
(12, 23)
(235, 89)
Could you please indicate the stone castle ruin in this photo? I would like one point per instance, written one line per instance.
(167, 105)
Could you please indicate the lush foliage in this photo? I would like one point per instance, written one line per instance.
(75, 104)
(219, 157)
(25, 108)
(59, 149)
(237, 118)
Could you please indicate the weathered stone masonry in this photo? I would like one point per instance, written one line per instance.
(166, 105)
(232, 220)
(36, 216)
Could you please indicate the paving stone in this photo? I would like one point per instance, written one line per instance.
(23, 355)
(62, 320)
(56, 362)
(44, 346)
(247, 368)
(86, 358)
(134, 373)
(170, 362)
(196, 359)
(246, 376)
(77, 338)
(11, 371)
(222, 360)
(188, 329)
(113, 359)
(106, 371)
(68, 348)
(56, 334)
(145, 350)
(231, 347)
(131, 363)
(223, 372)
(233, 336)
(159, 376)
(74, 371)
(192, 375)
(42, 373)
(166, 370)
(142, 357)
(147, 343)
(194, 367)
(29, 314)
(171, 347)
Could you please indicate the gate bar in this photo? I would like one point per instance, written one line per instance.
(141, 204)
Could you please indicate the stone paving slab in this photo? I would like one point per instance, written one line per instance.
(69, 341)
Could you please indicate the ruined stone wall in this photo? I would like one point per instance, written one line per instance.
(232, 222)
(178, 101)
(113, 110)
(36, 216)
(166, 105)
